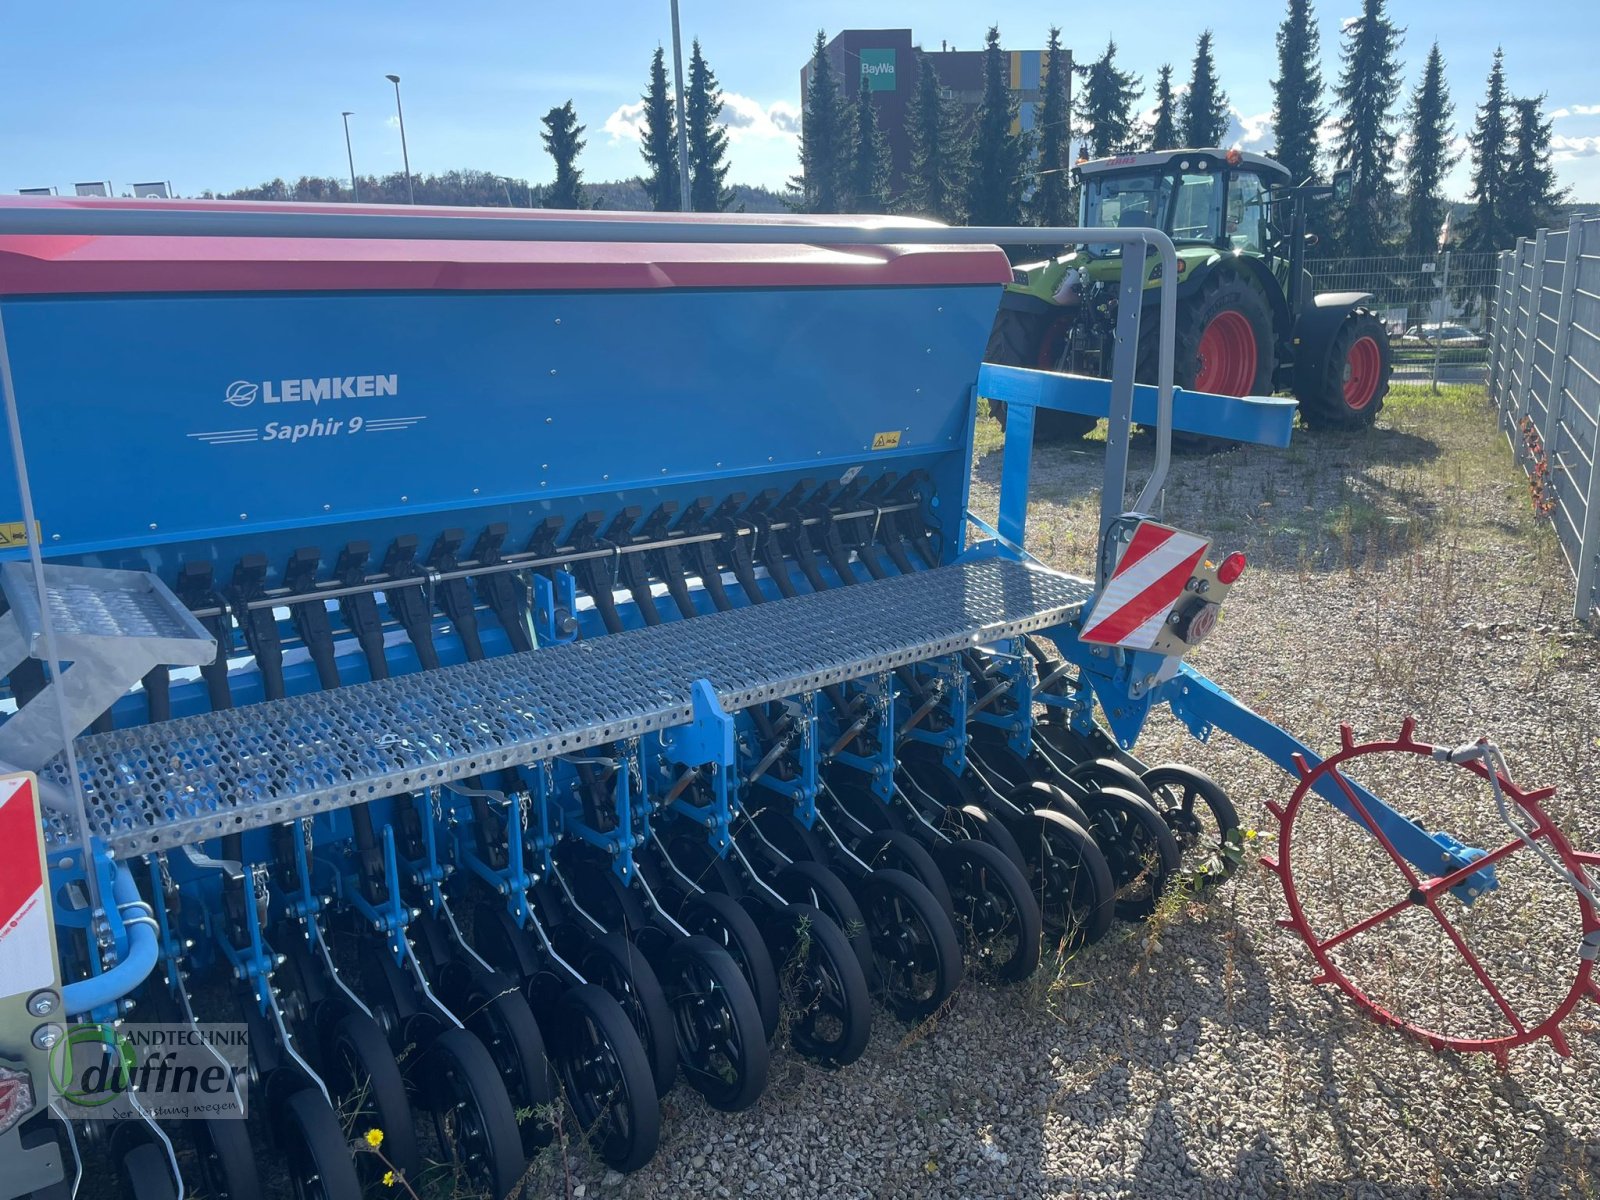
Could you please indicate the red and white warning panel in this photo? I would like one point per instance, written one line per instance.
(1163, 594)
(27, 934)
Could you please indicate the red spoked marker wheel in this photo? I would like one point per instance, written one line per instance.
(1414, 889)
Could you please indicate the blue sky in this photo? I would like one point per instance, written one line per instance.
(228, 94)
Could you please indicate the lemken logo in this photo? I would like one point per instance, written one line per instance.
(242, 392)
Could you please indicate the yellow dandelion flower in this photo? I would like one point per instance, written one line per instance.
(374, 1138)
(388, 1179)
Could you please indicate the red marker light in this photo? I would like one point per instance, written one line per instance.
(1232, 567)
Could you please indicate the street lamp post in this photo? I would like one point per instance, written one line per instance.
(683, 129)
(405, 157)
(355, 193)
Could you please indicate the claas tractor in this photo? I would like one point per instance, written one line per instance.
(1249, 322)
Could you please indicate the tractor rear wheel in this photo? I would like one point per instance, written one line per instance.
(1034, 340)
(1223, 344)
(1354, 379)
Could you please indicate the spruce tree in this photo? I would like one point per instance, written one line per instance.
(1490, 142)
(1297, 108)
(1164, 129)
(1205, 105)
(708, 140)
(999, 157)
(658, 143)
(1531, 192)
(1106, 107)
(869, 165)
(1369, 85)
(1430, 157)
(563, 139)
(824, 138)
(935, 182)
(1054, 132)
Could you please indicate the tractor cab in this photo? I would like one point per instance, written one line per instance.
(1248, 321)
(1208, 199)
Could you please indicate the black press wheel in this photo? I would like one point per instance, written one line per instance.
(476, 1125)
(721, 919)
(915, 955)
(503, 1021)
(606, 1077)
(370, 1093)
(317, 1156)
(1201, 817)
(1140, 849)
(146, 1173)
(721, 1043)
(224, 1162)
(1110, 772)
(1354, 378)
(824, 988)
(816, 885)
(996, 915)
(1052, 796)
(903, 852)
(1068, 876)
(620, 967)
(975, 821)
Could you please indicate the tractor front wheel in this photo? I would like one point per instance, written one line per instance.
(1035, 340)
(1353, 380)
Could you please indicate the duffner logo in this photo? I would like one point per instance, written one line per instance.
(242, 393)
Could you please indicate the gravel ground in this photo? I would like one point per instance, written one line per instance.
(1396, 571)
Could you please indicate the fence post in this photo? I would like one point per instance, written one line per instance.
(1442, 282)
(1588, 573)
(1555, 404)
(1497, 327)
(1530, 337)
(1513, 328)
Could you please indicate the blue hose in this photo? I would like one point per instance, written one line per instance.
(104, 989)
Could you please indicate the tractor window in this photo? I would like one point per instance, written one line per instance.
(1247, 212)
(1118, 201)
(1193, 210)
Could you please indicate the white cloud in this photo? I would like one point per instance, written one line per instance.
(1565, 149)
(1346, 22)
(1576, 110)
(1328, 132)
(746, 120)
(626, 124)
(1248, 132)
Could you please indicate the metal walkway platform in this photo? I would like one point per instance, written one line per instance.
(198, 777)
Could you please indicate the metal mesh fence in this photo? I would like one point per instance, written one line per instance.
(1437, 308)
(1544, 378)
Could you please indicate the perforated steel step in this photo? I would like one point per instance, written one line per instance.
(198, 777)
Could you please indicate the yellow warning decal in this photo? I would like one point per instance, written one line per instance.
(886, 441)
(15, 533)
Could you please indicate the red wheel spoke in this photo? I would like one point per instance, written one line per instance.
(1376, 918)
(1456, 877)
(1376, 830)
(1477, 968)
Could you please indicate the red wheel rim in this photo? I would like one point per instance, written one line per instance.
(1227, 356)
(1050, 345)
(1362, 369)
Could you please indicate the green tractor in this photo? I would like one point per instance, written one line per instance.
(1248, 323)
